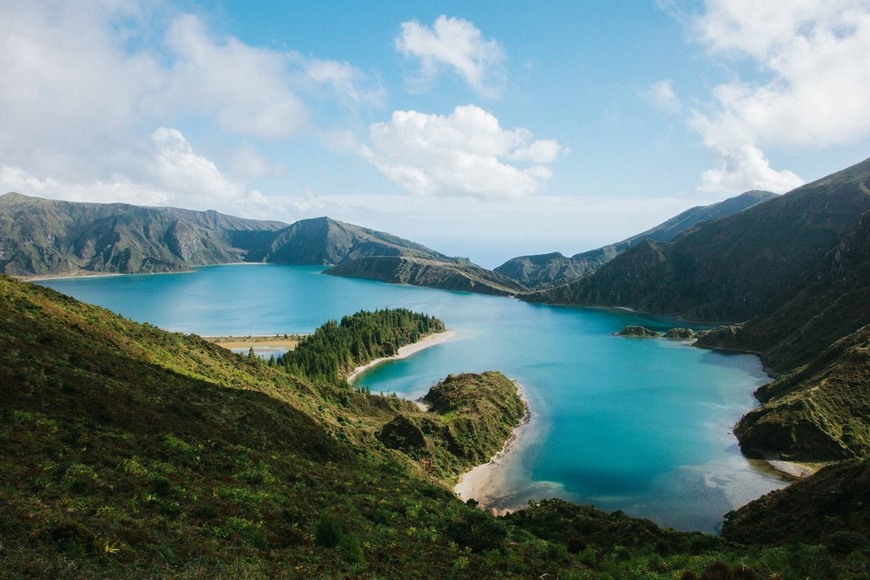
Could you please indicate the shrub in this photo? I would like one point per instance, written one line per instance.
(328, 532)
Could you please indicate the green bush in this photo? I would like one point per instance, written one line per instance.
(328, 532)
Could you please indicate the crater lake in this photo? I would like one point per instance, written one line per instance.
(638, 425)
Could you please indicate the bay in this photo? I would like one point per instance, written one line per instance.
(642, 426)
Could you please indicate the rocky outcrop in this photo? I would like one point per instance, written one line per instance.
(680, 334)
(638, 332)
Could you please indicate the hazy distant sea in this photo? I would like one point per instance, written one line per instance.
(638, 425)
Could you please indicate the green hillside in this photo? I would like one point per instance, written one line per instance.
(819, 412)
(42, 237)
(127, 451)
(547, 270)
(734, 268)
(48, 237)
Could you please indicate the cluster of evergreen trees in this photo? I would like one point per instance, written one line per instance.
(336, 348)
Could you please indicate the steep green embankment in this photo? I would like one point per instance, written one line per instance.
(469, 419)
(818, 412)
(794, 273)
(127, 451)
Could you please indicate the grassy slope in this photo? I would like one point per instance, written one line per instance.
(818, 412)
(128, 451)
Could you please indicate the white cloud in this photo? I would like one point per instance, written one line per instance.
(454, 44)
(811, 87)
(167, 171)
(745, 168)
(245, 88)
(86, 87)
(663, 96)
(466, 152)
(348, 83)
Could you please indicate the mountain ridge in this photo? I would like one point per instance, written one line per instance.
(40, 237)
(729, 269)
(548, 270)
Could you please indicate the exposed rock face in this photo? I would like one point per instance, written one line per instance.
(680, 334)
(548, 270)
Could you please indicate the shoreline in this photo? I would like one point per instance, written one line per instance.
(404, 352)
(479, 483)
(288, 341)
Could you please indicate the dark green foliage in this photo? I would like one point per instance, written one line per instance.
(835, 500)
(478, 531)
(819, 412)
(328, 532)
(733, 268)
(57, 237)
(335, 349)
(581, 527)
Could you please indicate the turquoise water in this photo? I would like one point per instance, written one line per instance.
(631, 424)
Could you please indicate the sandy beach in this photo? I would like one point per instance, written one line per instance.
(405, 352)
(288, 341)
(483, 481)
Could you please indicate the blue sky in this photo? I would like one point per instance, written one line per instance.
(482, 129)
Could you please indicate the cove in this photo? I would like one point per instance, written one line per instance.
(642, 426)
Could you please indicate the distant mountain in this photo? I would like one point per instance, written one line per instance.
(733, 268)
(829, 302)
(548, 270)
(446, 275)
(325, 241)
(47, 237)
(44, 237)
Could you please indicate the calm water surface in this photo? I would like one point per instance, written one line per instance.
(638, 425)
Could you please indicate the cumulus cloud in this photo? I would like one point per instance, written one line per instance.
(663, 96)
(457, 45)
(244, 87)
(811, 89)
(347, 83)
(88, 90)
(465, 152)
(167, 171)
